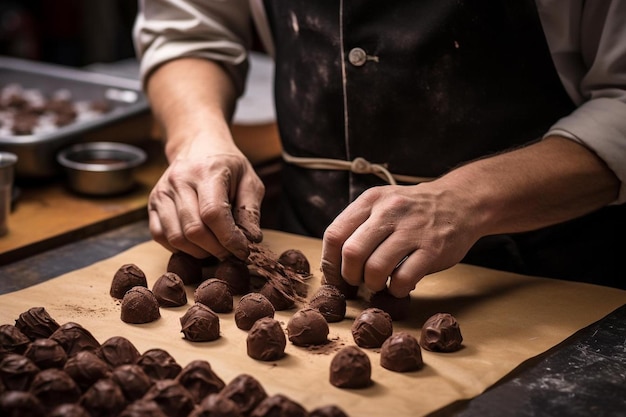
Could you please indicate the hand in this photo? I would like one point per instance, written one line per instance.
(369, 241)
(207, 204)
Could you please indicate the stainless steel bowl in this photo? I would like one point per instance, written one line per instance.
(101, 168)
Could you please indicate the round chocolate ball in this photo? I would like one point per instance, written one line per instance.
(371, 328)
(140, 306)
(172, 398)
(20, 403)
(401, 352)
(215, 294)
(280, 293)
(236, 274)
(328, 411)
(441, 333)
(159, 364)
(46, 353)
(279, 405)
(188, 268)
(69, 410)
(118, 350)
(246, 391)
(330, 302)
(54, 387)
(12, 339)
(85, 368)
(75, 338)
(103, 399)
(125, 278)
(36, 323)
(351, 368)
(142, 408)
(200, 380)
(296, 261)
(252, 307)
(17, 372)
(397, 308)
(217, 405)
(307, 327)
(266, 340)
(169, 290)
(133, 381)
(200, 324)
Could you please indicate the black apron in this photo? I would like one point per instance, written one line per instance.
(421, 87)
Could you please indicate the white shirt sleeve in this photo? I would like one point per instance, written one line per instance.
(219, 30)
(587, 40)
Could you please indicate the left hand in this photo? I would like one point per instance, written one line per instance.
(432, 227)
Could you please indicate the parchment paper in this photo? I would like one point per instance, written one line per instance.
(504, 318)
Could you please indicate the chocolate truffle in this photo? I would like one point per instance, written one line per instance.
(36, 323)
(200, 380)
(371, 328)
(279, 405)
(69, 410)
(245, 391)
(139, 306)
(200, 324)
(17, 372)
(441, 333)
(46, 353)
(188, 268)
(215, 294)
(397, 308)
(172, 398)
(349, 291)
(169, 290)
(75, 338)
(250, 308)
(266, 340)
(143, 408)
(103, 399)
(401, 353)
(307, 327)
(280, 293)
(54, 387)
(118, 350)
(236, 274)
(159, 364)
(12, 339)
(209, 266)
(85, 368)
(296, 261)
(217, 405)
(328, 411)
(329, 301)
(125, 278)
(351, 368)
(20, 403)
(133, 381)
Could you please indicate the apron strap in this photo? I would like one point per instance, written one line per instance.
(357, 165)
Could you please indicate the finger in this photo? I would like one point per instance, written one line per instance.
(156, 230)
(358, 250)
(384, 260)
(334, 237)
(248, 214)
(216, 214)
(406, 276)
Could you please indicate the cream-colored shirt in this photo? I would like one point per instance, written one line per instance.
(587, 41)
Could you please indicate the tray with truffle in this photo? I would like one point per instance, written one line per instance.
(44, 107)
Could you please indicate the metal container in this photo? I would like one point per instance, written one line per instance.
(37, 152)
(101, 168)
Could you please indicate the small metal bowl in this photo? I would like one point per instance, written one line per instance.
(101, 168)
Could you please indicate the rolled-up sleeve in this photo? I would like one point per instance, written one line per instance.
(588, 46)
(218, 30)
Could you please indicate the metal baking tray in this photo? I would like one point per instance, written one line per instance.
(37, 152)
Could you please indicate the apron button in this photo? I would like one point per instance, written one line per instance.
(357, 57)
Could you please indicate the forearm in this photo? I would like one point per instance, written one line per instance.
(189, 98)
(545, 183)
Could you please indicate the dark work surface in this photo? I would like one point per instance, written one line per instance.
(52, 263)
(585, 376)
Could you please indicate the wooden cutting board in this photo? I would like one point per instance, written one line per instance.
(505, 319)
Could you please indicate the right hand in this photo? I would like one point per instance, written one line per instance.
(207, 203)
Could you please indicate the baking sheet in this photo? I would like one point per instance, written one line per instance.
(505, 319)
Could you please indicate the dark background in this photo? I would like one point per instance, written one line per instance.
(67, 32)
